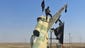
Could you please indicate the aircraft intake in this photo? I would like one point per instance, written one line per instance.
(36, 33)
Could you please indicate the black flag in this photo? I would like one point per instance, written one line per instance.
(65, 8)
(43, 5)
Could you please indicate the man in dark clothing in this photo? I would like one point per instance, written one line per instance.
(43, 5)
(47, 12)
(59, 31)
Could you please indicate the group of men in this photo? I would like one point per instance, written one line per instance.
(59, 30)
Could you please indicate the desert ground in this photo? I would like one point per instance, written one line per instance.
(27, 45)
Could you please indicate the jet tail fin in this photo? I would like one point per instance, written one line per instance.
(56, 16)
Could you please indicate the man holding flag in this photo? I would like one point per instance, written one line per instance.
(47, 11)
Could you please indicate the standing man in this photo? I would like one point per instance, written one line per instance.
(47, 12)
(59, 32)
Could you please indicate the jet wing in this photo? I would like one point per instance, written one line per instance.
(56, 17)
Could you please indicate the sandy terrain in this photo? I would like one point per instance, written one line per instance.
(27, 45)
(14, 45)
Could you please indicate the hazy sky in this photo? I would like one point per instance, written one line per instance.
(18, 19)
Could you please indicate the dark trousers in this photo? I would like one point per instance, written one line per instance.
(47, 15)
